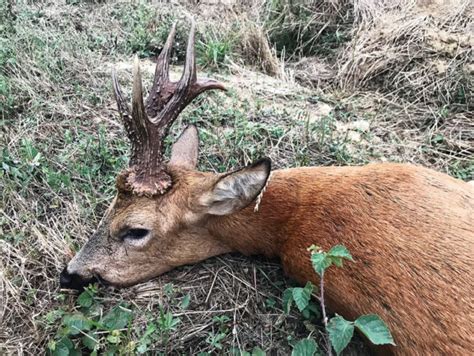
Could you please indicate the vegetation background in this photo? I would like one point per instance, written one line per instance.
(329, 82)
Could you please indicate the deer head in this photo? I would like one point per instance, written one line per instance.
(158, 216)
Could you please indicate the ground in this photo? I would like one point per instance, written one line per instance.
(329, 96)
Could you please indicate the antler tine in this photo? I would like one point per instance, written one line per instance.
(124, 111)
(187, 88)
(137, 131)
(161, 74)
(189, 77)
(122, 105)
(189, 73)
(138, 108)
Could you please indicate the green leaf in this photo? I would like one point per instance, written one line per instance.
(113, 339)
(287, 300)
(77, 323)
(89, 341)
(150, 330)
(85, 299)
(311, 310)
(185, 302)
(169, 289)
(375, 329)
(340, 251)
(305, 347)
(111, 350)
(63, 347)
(142, 348)
(257, 351)
(167, 321)
(302, 296)
(75, 352)
(340, 333)
(237, 352)
(54, 315)
(117, 318)
(320, 262)
(270, 302)
(61, 350)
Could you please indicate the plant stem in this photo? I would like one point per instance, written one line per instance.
(325, 319)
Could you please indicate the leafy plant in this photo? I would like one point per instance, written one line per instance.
(302, 299)
(339, 331)
(214, 340)
(305, 347)
(213, 51)
(87, 329)
(166, 324)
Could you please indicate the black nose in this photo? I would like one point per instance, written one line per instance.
(74, 281)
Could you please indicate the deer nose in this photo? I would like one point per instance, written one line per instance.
(73, 280)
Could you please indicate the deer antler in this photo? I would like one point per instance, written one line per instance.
(149, 122)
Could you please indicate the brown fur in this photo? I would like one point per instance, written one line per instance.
(409, 229)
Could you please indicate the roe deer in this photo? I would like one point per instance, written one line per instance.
(409, 229)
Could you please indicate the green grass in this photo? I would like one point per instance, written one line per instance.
(214, 49)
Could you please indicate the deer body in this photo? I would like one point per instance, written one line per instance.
(409, 229)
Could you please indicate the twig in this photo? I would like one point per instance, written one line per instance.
(325, 319)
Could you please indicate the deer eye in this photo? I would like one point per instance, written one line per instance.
(135, 234)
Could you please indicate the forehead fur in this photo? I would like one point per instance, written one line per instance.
(131, 209)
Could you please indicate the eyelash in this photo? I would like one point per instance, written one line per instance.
(135, 234)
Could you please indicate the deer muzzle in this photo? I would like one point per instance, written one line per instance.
(74, 281)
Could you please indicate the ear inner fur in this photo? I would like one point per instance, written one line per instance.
(236, 190)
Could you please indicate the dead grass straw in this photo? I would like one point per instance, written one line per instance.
(422, 50)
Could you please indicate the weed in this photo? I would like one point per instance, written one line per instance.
(338, 331)
(305, 347)
(167, 323)
(462, 170)
(88, 329)
(213, 50)
(214, 341)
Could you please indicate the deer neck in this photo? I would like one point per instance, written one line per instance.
(261, 227)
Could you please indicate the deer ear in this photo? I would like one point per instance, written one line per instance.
(184, 152)
(238, 189)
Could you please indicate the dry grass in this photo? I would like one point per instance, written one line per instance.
(422, 50)
(257, 50)
(62, 144)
